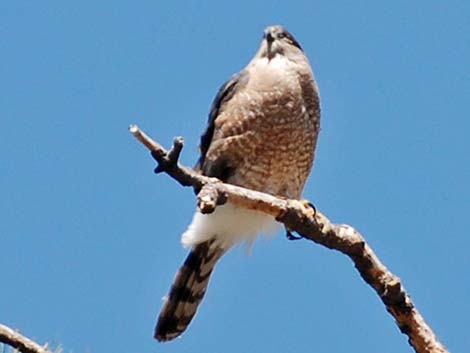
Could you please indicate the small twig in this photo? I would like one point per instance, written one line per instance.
(310, 225)
(169, 159)
(20, 342)
(174, 154)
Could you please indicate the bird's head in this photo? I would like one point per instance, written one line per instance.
(278, 41)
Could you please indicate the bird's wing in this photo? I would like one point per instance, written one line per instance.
(228, 90)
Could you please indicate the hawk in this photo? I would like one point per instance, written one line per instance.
(261, 134)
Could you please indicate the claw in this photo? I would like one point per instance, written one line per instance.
(291, 236)
(308, 204)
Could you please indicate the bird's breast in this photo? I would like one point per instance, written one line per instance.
(268, 130)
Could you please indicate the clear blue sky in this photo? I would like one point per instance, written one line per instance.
(89, 237)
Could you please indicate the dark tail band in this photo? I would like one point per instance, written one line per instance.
(187, 291)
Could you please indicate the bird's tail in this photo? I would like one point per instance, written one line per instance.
(187, 291)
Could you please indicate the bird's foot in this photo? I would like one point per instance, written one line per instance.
(312, 211)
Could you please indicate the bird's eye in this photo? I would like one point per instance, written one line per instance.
(281, 35)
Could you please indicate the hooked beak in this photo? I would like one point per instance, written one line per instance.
(269, 41)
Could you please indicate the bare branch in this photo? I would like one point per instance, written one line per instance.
(20, 342)
(314, 226)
